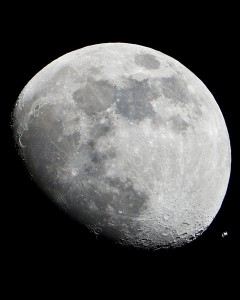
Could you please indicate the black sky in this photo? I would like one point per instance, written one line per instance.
(204, 39)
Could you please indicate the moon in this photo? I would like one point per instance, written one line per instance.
(127, 141)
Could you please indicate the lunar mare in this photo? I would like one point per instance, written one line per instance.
(128, 141)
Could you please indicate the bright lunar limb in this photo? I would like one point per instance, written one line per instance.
(128, 141)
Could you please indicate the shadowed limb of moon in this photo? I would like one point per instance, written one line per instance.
(128, 141)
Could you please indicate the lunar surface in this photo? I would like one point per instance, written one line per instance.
(127, 141)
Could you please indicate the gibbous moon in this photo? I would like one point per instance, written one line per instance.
(127, 141)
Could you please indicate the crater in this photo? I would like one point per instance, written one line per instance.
(148, 61)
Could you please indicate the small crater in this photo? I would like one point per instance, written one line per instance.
(148, 61)
(111, 153)
(97, 231)
(74, 172)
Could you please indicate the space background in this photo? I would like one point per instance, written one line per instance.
(40, 238)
